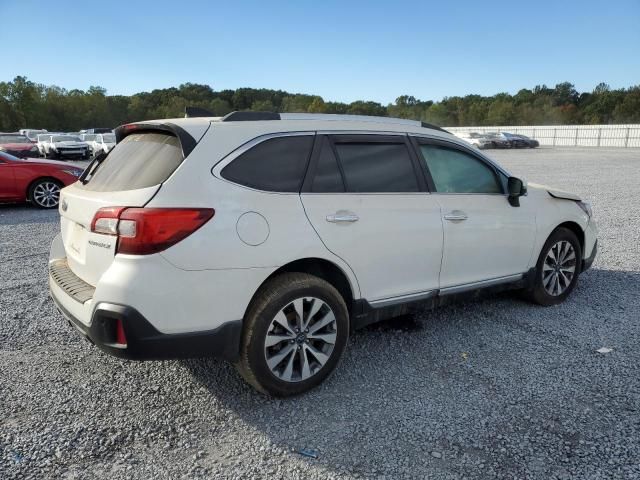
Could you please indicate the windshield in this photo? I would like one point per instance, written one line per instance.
(42, 138)
(14, 139)
(88, 137)
(109, 138)
(65, 138)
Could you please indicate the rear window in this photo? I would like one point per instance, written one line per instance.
(13, 139)
(140, 160)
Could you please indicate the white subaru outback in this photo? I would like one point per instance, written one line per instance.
(265, 239)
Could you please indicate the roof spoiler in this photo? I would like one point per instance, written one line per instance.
(187, 142)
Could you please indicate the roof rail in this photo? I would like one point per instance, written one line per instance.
(255, 116)
(193, 112)
(435, 127)
(250, 116)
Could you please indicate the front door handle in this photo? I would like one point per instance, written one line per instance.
(456, 216)
(343, 217)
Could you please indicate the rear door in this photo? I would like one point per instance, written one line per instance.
(128, 177)
(367, 200)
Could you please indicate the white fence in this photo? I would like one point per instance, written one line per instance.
(570, 135)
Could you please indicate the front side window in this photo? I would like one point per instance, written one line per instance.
(377, 167)
(454, 171)
(275, 165)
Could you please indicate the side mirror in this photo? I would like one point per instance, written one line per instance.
(515, 188)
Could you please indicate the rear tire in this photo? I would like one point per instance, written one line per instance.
(284, 352)
(557, 270)
(45, 193)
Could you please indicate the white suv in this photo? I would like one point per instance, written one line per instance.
(265, 239)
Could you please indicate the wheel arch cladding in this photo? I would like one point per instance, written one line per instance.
(575, 228)
(320, 268)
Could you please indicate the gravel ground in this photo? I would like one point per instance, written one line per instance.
(494, 389)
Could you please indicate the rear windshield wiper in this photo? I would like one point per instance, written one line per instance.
(91, 169)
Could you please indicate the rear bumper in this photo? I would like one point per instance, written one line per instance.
(144, 342)
(95, 319)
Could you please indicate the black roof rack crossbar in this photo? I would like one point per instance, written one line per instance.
(250, 116)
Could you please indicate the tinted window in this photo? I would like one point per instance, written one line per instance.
(327, 177)
(275, 165)
(377, 167)
(454, 171)
(140, 160)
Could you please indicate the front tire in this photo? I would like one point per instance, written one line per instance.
(557, 269)
(295, 331)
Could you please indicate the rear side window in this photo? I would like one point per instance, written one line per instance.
(140, 160)
(456, 172)
(275, 165)
(377, 167)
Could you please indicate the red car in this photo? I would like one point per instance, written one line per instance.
(18, 145)
(37, 180)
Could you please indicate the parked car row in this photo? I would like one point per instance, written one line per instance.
(498, 140)
(81, 145)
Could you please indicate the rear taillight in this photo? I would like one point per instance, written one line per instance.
(142, 231)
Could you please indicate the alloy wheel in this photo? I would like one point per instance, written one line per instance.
(559, 268)
(47, 194)
(300, 339)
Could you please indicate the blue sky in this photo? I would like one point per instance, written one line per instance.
(343, 51)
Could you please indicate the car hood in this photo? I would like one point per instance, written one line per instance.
(554, 192)
(57, 163)
(18, 146)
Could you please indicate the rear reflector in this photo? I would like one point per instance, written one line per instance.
(121, 338)
(142, 231)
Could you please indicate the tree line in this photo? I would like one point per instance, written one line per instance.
(26, 104)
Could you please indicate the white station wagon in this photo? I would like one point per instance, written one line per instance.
(266, 239)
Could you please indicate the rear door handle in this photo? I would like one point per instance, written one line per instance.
(342, 217)
(456, 216)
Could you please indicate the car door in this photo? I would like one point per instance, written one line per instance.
(7, 180)
(366, 198)
(485, 238)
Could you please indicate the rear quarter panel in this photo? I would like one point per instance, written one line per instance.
(217, 245)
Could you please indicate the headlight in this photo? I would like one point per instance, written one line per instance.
(75, 173)
(586, 208)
